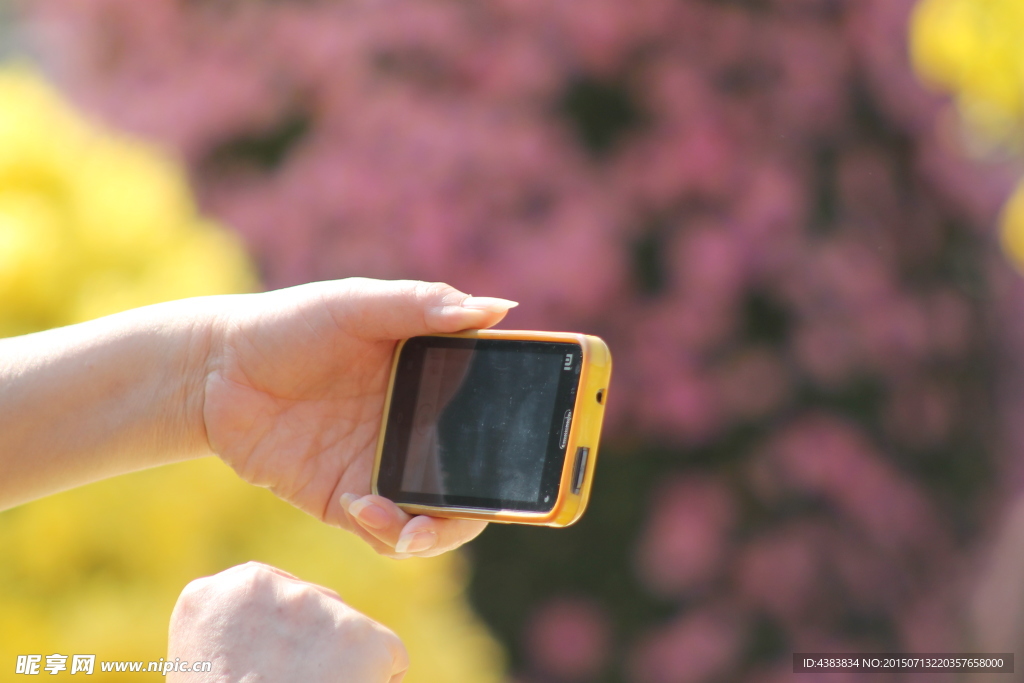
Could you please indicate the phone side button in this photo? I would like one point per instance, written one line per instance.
(579, 470)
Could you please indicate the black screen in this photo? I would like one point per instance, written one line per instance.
(479, 423)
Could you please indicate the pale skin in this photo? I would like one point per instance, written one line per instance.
(288, 388)
(257, 623)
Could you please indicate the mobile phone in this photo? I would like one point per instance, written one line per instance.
(495, 425)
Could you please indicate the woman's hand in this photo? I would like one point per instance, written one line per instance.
(294, 395)
(287, 387)
(255, 622)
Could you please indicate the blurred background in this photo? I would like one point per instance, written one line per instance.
(795, 222)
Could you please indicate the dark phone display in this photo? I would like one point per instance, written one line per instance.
(479, 423)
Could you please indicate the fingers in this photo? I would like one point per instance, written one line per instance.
(378, 309)
(377, 519)
(381, 519)
(450, 534)
(243, 614)
(405, 535)
(349, 523)
(254, 566)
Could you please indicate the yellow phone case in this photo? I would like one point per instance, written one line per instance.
(585, 432)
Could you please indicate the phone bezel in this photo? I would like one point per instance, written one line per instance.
(398, 426)
(585, 431)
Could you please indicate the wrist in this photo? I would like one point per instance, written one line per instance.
(126, 389)
(203, 352)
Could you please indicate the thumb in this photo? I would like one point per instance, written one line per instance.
(382, 309)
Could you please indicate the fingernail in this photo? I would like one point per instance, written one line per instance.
(416, 543)
(369, 514)
(488, 303)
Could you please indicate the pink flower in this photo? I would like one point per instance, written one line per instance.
(708, 260)
(694, 648)
(920, 414)
(569, 638)
(753, 384)
(782, 574)
(826, 351)
(686, 539)
(949, 323)
(824, 456)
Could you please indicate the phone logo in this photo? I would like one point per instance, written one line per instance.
(568, 362)
(566, 423)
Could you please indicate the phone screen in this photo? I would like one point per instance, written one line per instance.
(479, 422)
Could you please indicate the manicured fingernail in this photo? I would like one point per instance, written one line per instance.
(369, 514)
(488, 303)
(416, 543)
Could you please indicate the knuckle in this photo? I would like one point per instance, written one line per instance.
(434, 291)
(247, 581)
(250, 566)
(195, 587)
(331, 593)
(432, 297)
(192, 596)
(251, 571)
(373, 639)
(390, 638)
(302, 598)
(392, 645)
(359, 627)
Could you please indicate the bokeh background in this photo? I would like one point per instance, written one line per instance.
(796, 222)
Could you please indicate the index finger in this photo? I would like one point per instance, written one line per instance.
(377, 309)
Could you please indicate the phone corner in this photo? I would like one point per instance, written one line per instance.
(568, 517)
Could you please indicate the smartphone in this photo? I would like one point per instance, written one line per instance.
(495, 425)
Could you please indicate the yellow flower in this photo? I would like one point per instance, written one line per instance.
(91, 223)
(975, 50)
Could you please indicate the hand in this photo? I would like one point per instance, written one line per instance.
(295, 390)
(255, 622)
